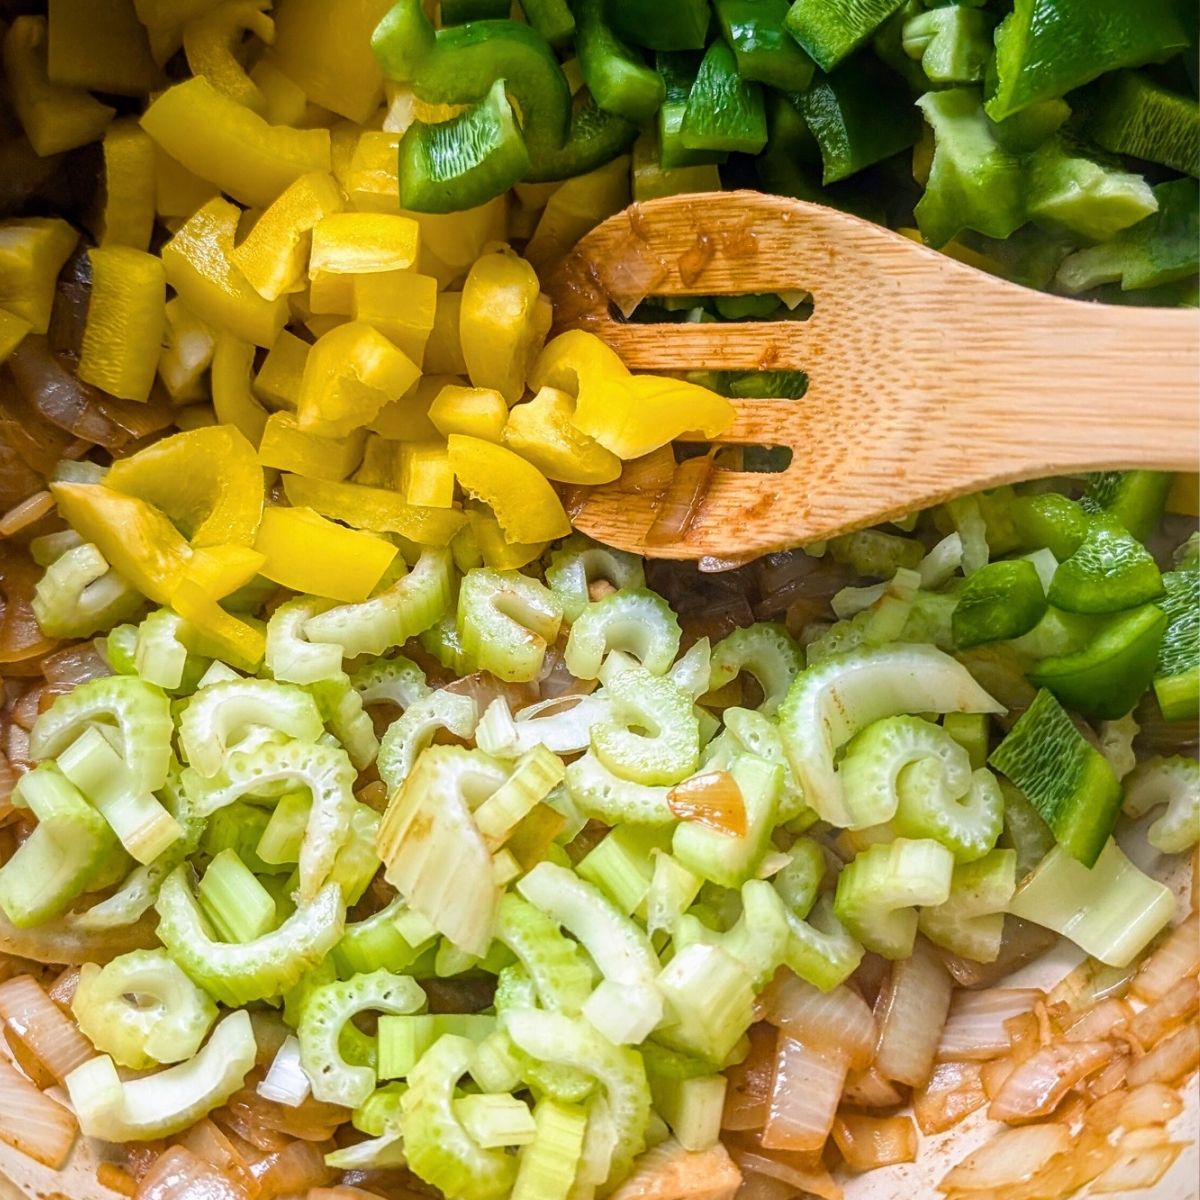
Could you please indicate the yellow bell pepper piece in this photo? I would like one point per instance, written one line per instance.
(407, 419)
(187, 352)
(136, 538)
(350, 243)
(1184, 496)
(126, 319)
(177, 192)
(199, 265)
(278, 380)
(32, 252)
(525, 504)
(401, 305)
(541, 431)
(375, 508)
(12, 332)
(495, 549)
(368, 168)
(307, 553)
(275, 252)
(425, 477)
(195, 416)
(578, 205)
(101, 46)
(380, 463)
(477, 412)
(286, 103)
(286, 447)
(330, 294)
(325, 46)
(351, 373)
(573, 360)
(215, 632)
(221, 570)
(650, 181)
(208, 482)
(503, 323)
(54, 118)
(319, 324)
(170, 14)
(128, 215)
(451, 242)
(211, 39)
(223, 141)
(233, 400)
(443, 350)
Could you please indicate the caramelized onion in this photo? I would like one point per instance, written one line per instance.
(58, 941)
(712, 799)
(1180, 1004)
(805, 1093)
(1176, 956)
(1170, 1061)
(296, 1168)
(796, 1171)
(1037, 1085)
(1012, 1156)
(21, 639)
(839, 1017)
(911, 1011)
(67, 669)
(31, 1122)
(682, 500)
(954, 1090)
(180, 1175)
(870, 1142)
(53, 1038)
(748, 1092)
(975, 1029)
(1142, 1162)
(29, 512)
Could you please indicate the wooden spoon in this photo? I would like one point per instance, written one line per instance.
(928, 379)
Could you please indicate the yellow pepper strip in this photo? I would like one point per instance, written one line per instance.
(351, 373)
(380, 463)
(54, 118)
(177, 192)
(1184, 496)
(541, 431)
(451, 242)
(101, 46)
(503, 323)
(195, 416)
(495, 549)
(187, 352)
(286, 447)
(407, 419)
(964, 254)
(216, 633)
(525, 504)
(579, 205)
(233, 400)
(32, 252)
(477, 412)
(443, 350)
(286, 103)
(200, 268)
(136, 538)
(275, 252)
(128, 215)
(223, 141)
(330, 293)
(325, 46)
(209, 482)
(425, 477)
(221, 570)
(278, 380)
(376, 509)
(401, 305)
(12, 332)
(571, 361)
(368, 172)
(307, 553)
(211, 39)
(350, 243)
(126, 319)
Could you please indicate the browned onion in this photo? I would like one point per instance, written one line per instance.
(210, 1145)
(1010, 1157)
(869, 1089)
(268, 1126)
(712, 799)
(32, 1122)
(1037, 1085)
(682, 500)
(30, 1015)
(296, 1168)
(179, 1175)
(796, 1171)
(21, 638)
(805, 1093)
(954, 1091)
(1170, 1061)
(839, 1017)
(870, 1142)
(1177, 955)
(1180, 1004)
(68, 668)
(29, 512)
(748, 1091)
(1022, 942)
(57, 941)
(975, 1029)
(911, 1010)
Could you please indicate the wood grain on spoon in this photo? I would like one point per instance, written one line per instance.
(928, 379)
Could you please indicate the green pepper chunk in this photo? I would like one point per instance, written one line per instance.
(620, 82)
(1051, 521)
(678, 71)
(1177, 672)
(952, 43)
(999, 601)
(459, 12)
(660, 24)
(830, 29)
(1046, 48)
(551, 18)
(1130, 114)
(765, 51)
(724, 112)
(1135, 498)
(1110, 571)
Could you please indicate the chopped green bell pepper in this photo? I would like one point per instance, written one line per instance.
(724, 112)
(1130, 114)
(1109, 572)
(660, 24)
(765, 51)
(617, 77)
(1135, 498)
(830, 29)
(1177, 673)
(1001, 600)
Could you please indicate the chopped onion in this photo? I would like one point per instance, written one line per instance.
(1139, 1166)
(1022, 942)
(58, 941)
(975, 1029)
(870, 1142)
(668, 1171)
(911, 1011)
(763, 1187)
(297, 1167)
(805, 1093)
(869, 1089)
(1178, 955)
(341, 1192)
(210, 1145)
(1099, 1021)
(681, 502)
(29, 1014)
(712, 798)
(1170, 1060)
(8, 781)
(261, 1121)
(62, 990)
(1179, 1004)
(1036, 1086)
(1110, 1078)
(286, 1082)
(33, 1123)
(483, 688)
(1090, 982)
(953, 1091)
(839, 1017)
(115, 1178)
(1012, 1156)
(21, 638)
(179, 1175)
(652, 472)
(748, 1092)
(805, 1173)
(76, 664)
(31, 510)
(1150, 1104)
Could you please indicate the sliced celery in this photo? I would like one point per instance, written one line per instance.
(672, 889)
(376, 943)
(281, 839)
(397, 681)
(971, 922)
(547, 1166)
(767, 652)
(238, 906)
(79, 595)
(290, 656)
(758, 939)
(380, 1112)
(692, 1108)
(710, 1001)
(495, 1121)
(798, 882)
(1174, 782)
(621, 866)
(558, 968)
(240, 828)
(820, 949)
(637, 622)
(505, 621)
(159, 656)
(754, 733)
(578, 563)
(535, 775)
(414, 730)
(357, 860)
(599, 793)
(341, 709)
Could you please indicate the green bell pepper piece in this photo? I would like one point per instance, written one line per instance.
(660, 24)
(724, 112)
(1177, 673)
(765, 51)
(617, 77)
(830, 29)
(1130, 114)
(1028, 129)
(1001, 600)
(553, 19)
(953, 43)
(1046, 48)
(459, 12)
(1111, 571)
(595, 138)
(678, 70)
(1050, 520)
(1135, 498)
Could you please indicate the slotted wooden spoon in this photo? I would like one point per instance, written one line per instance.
(928, 379)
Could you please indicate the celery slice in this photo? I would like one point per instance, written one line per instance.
(376, 943)
(767, 652)
(820, 949)
(758, 939)
(560, 973)
(547, 1167)
(1174, 782)
(621, 866)
(238, 906)
(692, 1108)
(798, 882)
(290, 656)
(80, 595)
(578, 563)
(496, 1121)
(535, 775)
(397, 681)
(692, 671)
(637, 622)
(755, 733)
(672, 889)
(159, 656)
(710, 1001)
(414, 730)
(601, 794)
(506, 620)
(341, 709)
(971, 922)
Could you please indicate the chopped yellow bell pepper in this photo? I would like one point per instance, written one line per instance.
(477, 412)
(400, 304)
(170, 14)
(54, 118)
(572, 360)
(101, 46)
(351, 243)
(177, 191)
(32, 252)
(525, 504)
(211, 39)
(12, 332)
(136, 538)
(330, 294)
(375, 508)
(407, 419)
(199, 265)
(195, 416)
(286, 447)
(495, 549)
(541, 431)
(578, 205)
(443, 350)
(307, 553)
(465, 549)
(368, 168)
(380, 463)
(351, 373)
(425, 477)
(278, 380)
(187, 352)
(221, 570)
(503, 323)
(286, 103)
(232, 397)
(275, 252)
(325, 46)
(129, 181)
(209, 482)
(126, 319)
(214, 632)
(223, 141)
(1184, 496)
(451, 242)
(319, 324)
